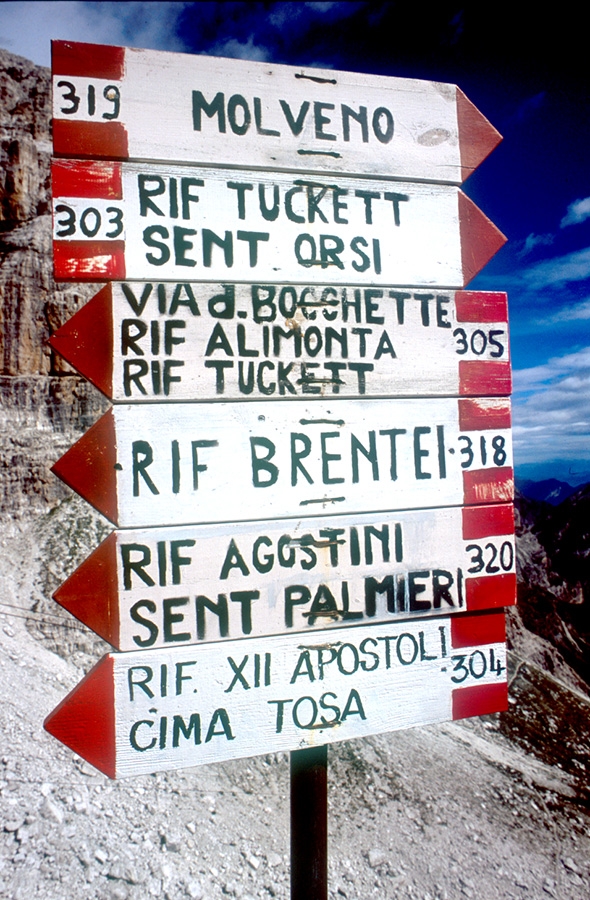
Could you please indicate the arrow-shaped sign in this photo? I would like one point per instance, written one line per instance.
(136, 713)
(186, 463)
(145, 221)
(166, 587)
(121, 103)
(189, 341)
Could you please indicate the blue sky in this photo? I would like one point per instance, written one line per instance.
(531, 80)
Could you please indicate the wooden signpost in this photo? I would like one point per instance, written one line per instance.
(149, 465)
(309, 459)
(140, 342)
(124, 103)
(140, 712)
(145, 221)
(166, 587)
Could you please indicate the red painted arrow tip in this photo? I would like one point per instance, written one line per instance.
(487, 521)
(479, 700)
(90, 593)
(477, 630)
(488, 485)
(88, 260)
(90, 139)
(74, 58)
(89, 467)
(85, 720)
(480, 239)
(477, 136)
(86, 340)
(490, 591)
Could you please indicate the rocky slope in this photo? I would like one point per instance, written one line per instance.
(553, 554)
(487, 808)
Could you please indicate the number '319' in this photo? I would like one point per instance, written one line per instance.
(72, 99)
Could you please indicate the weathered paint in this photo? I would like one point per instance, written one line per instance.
(136, 713)
(183, 463)
(116, 102)
(381, 481)
(166, 587)
(243, 225)
(140, 342)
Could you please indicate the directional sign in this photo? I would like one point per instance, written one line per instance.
(167, 464)
(147, 221)
(165, 587)
(186, 341)
(338, 554)
(119, 103)
(136, 713)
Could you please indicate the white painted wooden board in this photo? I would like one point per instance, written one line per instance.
(165, 587)
(141, 712)
(165, 464)
(140, 342)
(116, 102)
(146, 221)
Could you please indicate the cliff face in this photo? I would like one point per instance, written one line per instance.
(26, 139)
(43, 405)
(553, 558)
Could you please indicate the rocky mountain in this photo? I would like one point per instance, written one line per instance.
(42, 403)
(487, 808)
(554, 576)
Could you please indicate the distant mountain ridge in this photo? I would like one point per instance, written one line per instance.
(549, 490)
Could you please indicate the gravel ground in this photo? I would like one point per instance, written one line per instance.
(489, 808)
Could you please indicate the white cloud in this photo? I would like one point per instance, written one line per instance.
(335, 10)
(572, 313)
(528, 108)
(573, 266)
(570, 267)
(553, 370)
(322, 7)
(552, 410)
(283, 14)
(577, 212)
(238, 50)
(290, 11)
(28, 28)
(535, 240)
